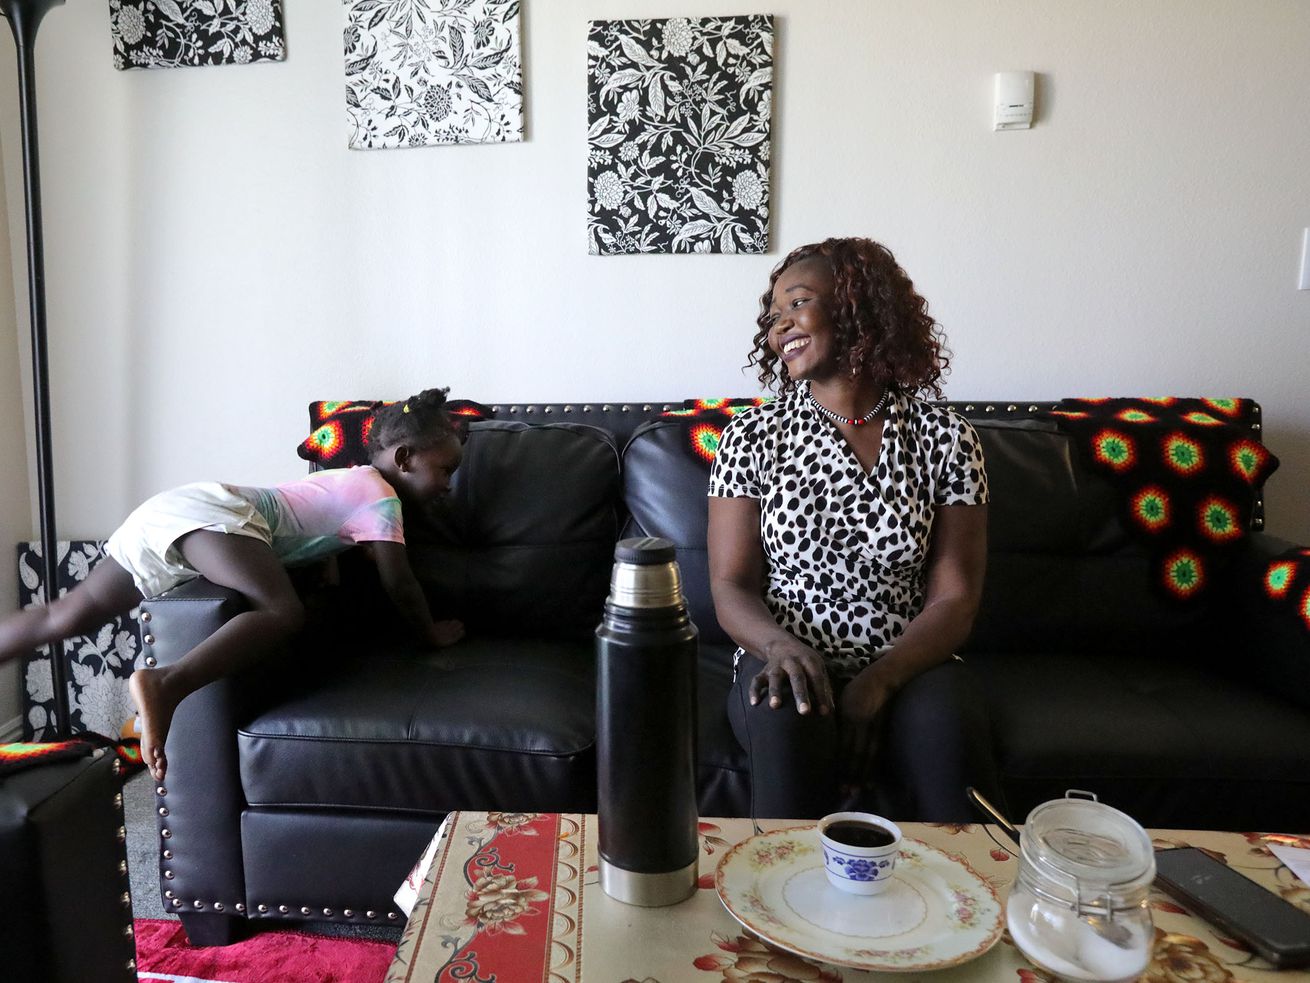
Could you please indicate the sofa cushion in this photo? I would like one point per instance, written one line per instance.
(525, 542)
(665, 488)
(486, 724)
(1186, 746)
(1032, 463)
(1062, 572)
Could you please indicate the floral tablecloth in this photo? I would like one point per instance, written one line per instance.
(515, 897)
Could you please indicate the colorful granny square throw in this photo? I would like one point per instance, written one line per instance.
(338, 428)
(1188, 473)
(703, 421)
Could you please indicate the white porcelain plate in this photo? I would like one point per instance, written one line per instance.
(936, 912)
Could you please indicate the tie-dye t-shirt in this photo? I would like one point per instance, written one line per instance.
(327, 512)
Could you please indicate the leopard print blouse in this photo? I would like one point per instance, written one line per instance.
(846, 549)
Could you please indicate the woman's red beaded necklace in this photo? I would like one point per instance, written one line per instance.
(858, 421)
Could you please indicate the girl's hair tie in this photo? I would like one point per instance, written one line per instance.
(405, 408)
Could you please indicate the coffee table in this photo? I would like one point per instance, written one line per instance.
(515, 897)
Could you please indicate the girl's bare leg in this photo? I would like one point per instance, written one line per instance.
(107, 592)
(250, 567)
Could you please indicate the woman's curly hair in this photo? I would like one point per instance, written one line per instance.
(880, 322)
(420, 421)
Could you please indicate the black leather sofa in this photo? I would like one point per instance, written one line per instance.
(306, 792)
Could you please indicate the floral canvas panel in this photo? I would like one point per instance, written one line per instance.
(425, 72)
(678, 143)
(98, 664)
(181, 33)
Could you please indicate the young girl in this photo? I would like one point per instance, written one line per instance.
(244, 538)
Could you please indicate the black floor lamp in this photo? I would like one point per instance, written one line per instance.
(66, 910)
(24, 18)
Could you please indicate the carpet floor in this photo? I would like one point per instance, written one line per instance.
(143, 871)
(282, 956)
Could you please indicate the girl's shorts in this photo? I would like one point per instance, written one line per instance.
(145, 545)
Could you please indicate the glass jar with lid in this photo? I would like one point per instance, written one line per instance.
(1078, 908)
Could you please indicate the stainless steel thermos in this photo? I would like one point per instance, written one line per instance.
(646, 730)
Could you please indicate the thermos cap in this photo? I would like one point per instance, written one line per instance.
(645, 550)
(646, 574)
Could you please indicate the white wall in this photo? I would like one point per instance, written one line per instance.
(16, 521)
(217, 258)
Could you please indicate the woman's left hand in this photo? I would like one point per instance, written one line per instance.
(862, 703)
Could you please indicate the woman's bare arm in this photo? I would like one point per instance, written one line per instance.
(737, 568)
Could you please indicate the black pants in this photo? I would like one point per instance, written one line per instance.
(935, 741)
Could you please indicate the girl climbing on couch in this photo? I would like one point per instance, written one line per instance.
(244, 539)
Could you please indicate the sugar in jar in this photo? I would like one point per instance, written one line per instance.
(1078, 907)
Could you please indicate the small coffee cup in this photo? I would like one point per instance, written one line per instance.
(859, 851)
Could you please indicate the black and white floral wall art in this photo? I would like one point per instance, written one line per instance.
(181, 33)
(678, 144)
(424, 72)
(98, 665)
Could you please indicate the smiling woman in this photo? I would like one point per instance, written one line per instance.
(880, 322)
(870, 544)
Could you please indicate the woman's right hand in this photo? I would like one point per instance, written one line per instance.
(737, 574)
(792, 663)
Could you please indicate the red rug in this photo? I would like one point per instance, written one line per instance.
(163, 953)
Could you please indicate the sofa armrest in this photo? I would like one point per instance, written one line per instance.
(1269, 646)
(200, 803)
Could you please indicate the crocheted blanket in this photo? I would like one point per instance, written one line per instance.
(704, 420)
(16, 757)
(339, 428)
(1188, 473)
(1287, 582)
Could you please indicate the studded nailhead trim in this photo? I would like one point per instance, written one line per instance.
(306, 911)
(145, 616)
(125, 896)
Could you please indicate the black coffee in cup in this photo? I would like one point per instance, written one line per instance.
(852, 832)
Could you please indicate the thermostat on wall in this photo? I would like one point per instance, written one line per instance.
(1014, 101)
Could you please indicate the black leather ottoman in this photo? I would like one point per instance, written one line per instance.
(65, 906)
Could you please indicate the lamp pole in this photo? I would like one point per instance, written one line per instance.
(24, 18)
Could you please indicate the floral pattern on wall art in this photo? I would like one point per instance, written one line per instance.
(181, 33)
(424, 72)
(98, 665)
(678, 143)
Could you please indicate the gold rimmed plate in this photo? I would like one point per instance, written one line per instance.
(936, 912)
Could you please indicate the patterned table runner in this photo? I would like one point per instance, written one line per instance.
(514, 897)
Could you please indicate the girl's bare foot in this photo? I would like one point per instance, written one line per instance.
(156, 710)
(447, 632)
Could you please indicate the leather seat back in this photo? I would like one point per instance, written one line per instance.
(525, 541)
(664, 486)
(1063, 573)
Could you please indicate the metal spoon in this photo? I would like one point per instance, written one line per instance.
(981, 802)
